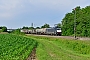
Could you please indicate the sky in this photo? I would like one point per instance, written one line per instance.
(19, 13)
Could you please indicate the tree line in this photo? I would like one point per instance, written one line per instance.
(82, 22)
(44, 26)
(3, 29)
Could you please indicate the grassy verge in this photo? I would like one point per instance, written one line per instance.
(61, 49)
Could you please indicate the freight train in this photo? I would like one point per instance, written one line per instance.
(43, 31)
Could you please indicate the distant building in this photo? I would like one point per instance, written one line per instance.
(10, 30)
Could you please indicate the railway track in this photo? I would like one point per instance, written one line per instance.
(65, 37)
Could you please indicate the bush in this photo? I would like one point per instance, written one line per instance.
(4, 29)
(18, 32)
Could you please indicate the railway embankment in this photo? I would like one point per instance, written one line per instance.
(64, 37)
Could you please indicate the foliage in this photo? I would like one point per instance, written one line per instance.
(4, 29)
(59, 25)
(37, 27)
(13, 47)
(45, 26)
(31, 28)
(25, 27)
(0, 30)
(0, 27)
(82, 22)
(17, 31)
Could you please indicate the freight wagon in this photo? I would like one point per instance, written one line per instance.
(45, 31)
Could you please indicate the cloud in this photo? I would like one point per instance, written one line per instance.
(58, 4)
(3, 15)
(8, 8)
(22, 12)
(8, 4)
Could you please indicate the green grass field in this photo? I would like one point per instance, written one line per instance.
(61, 49)
(14, 47)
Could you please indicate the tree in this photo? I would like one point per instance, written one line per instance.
(82, 22)
(37, 27)
(31, 28)
(45, 26)
(25, 27)
(17, 31)
(4, 29)
(0, 27)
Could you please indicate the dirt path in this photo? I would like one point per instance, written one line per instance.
(32, 55)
